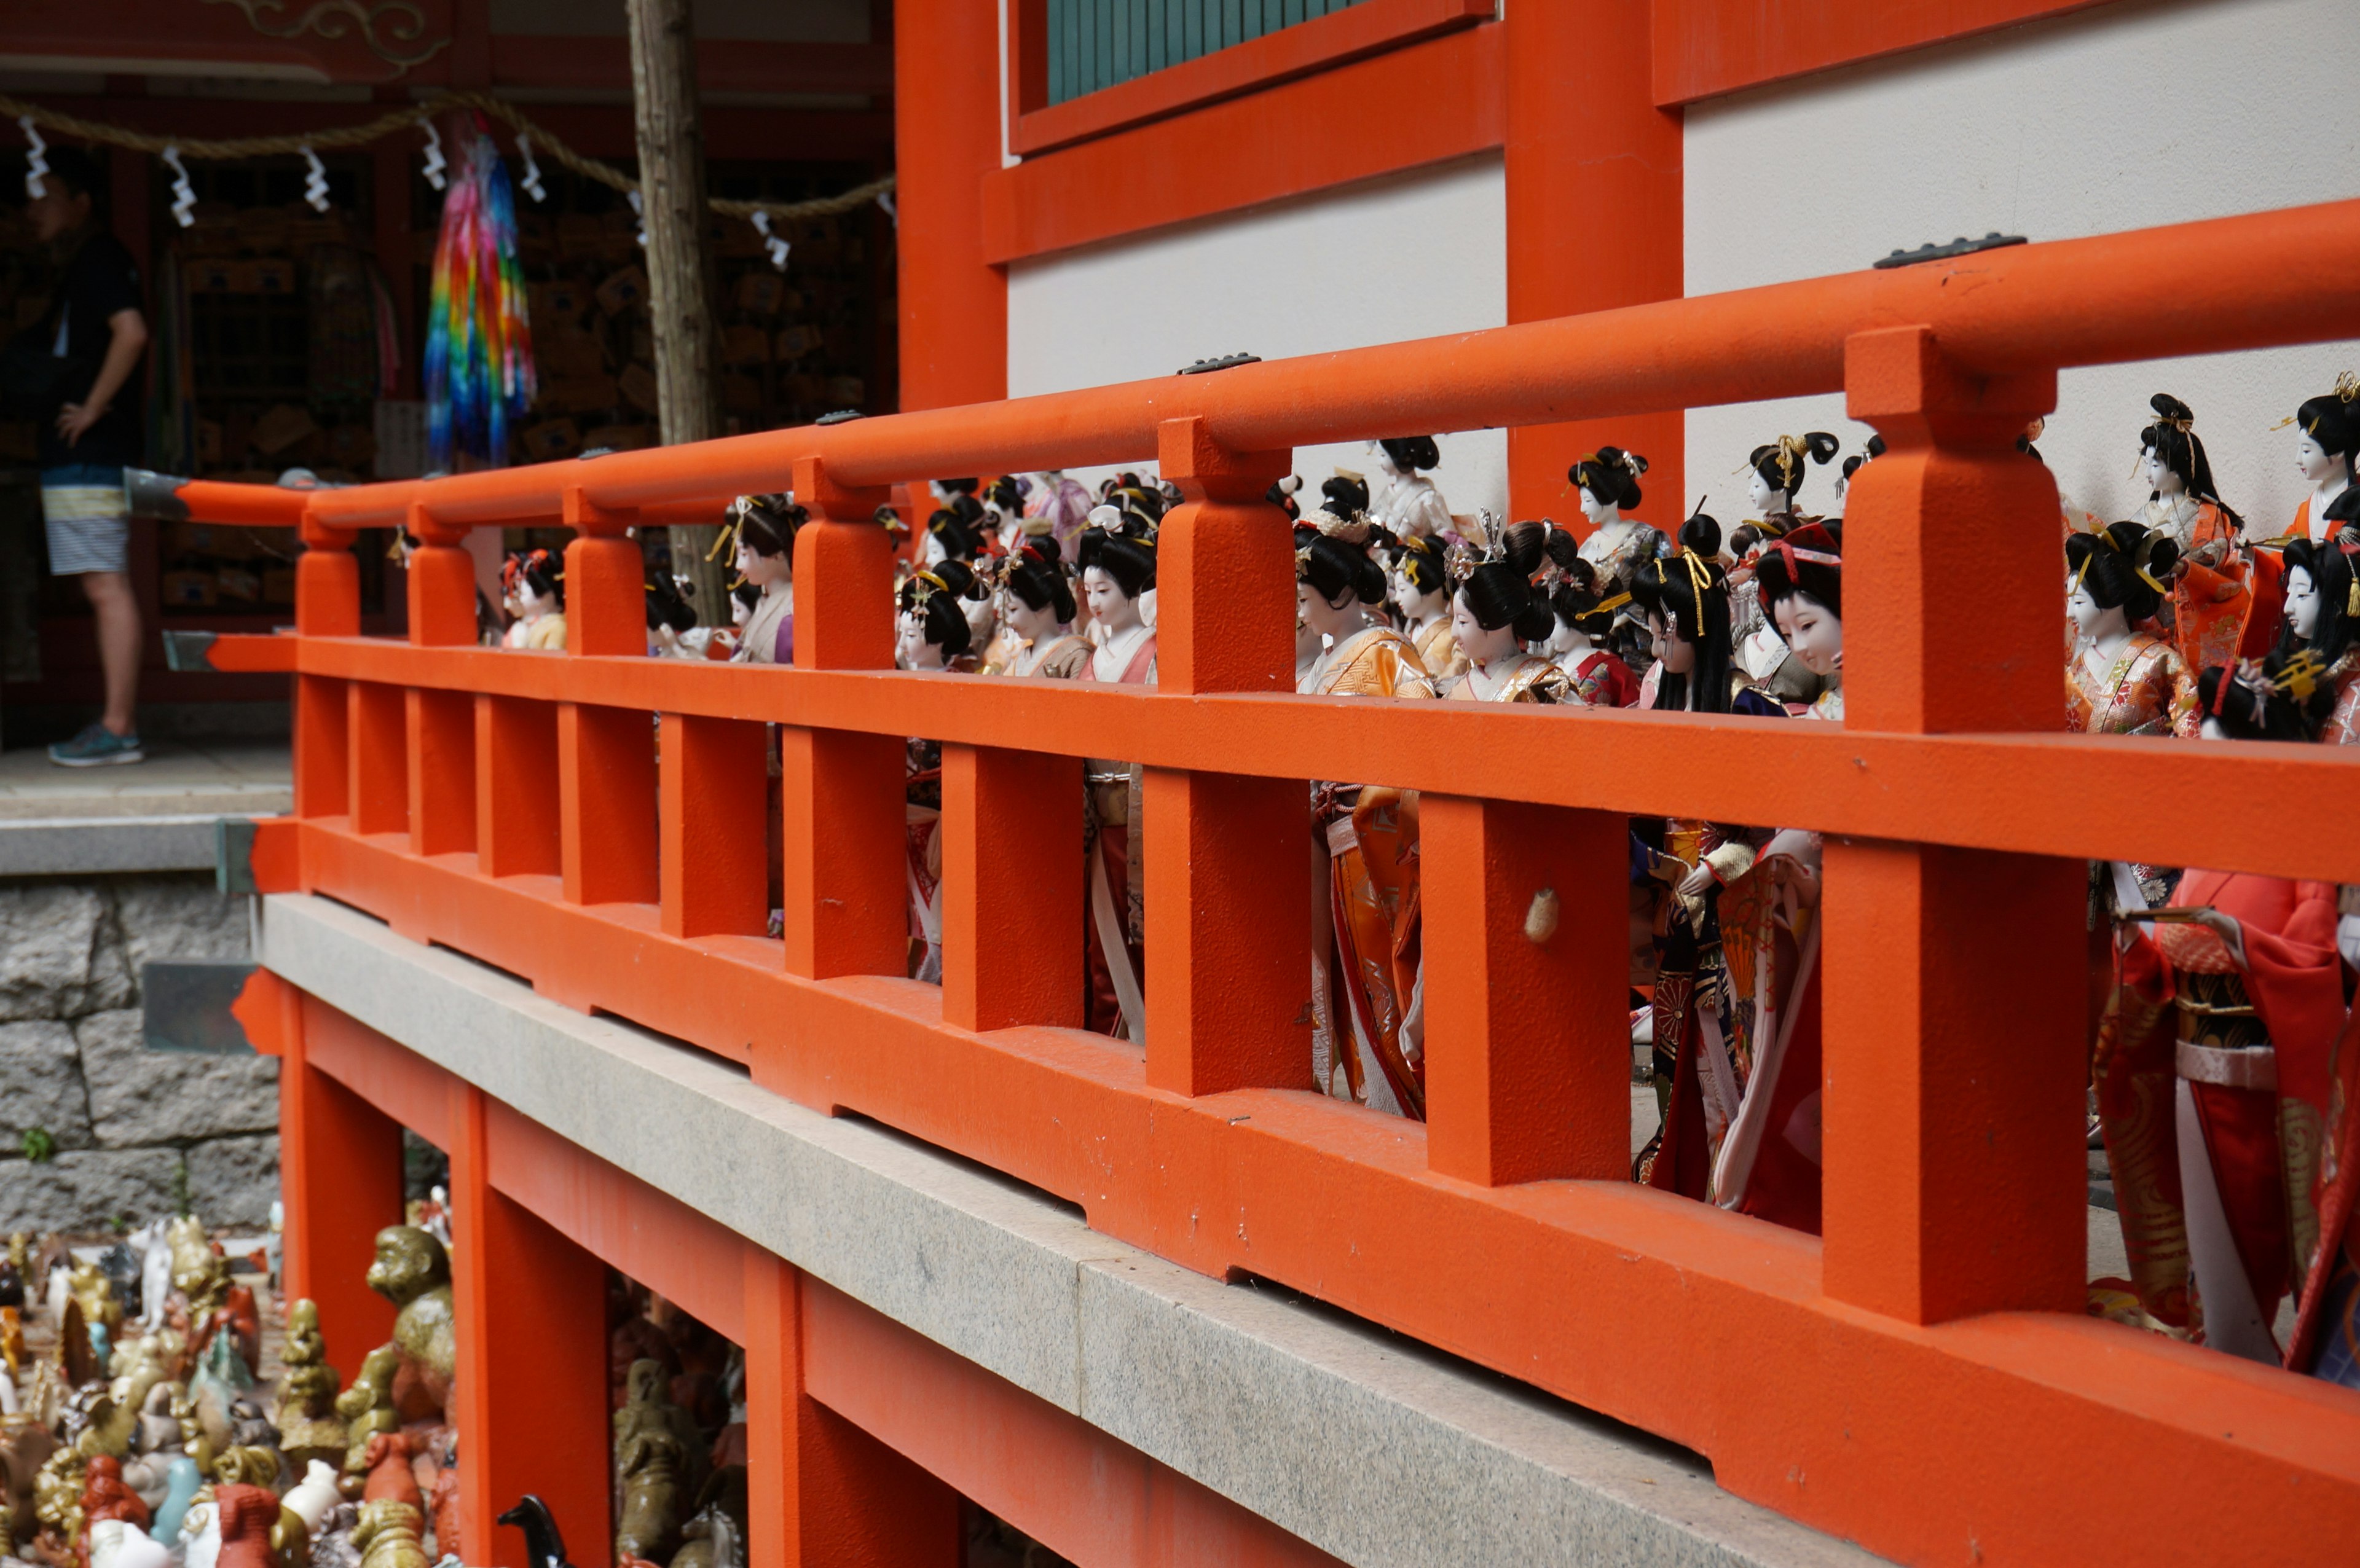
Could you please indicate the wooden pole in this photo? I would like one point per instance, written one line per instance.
(671, 186)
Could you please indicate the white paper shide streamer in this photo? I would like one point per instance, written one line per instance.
(436, 164)
(184, 195)
(35, 165)
(531, 181)
(777, 247)
(315, 181)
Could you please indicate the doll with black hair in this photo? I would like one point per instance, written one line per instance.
(2334, 640)
(2123, 679)
(1686, 602)
(1799, 582)
(1117, 554)
(2204, 612)
(932, 631)
(1036, 613)
(533, 583)
(1617, 548)
(2327, 434)
(1282, 495)
(954, 532)
(1002, 500)
(1421, 589)
(761, 529)
(1869, 453)
(1596, 676)
(1495, 613)
(2213, 1069)
(1367, 1037)
(1344, 493)
(669, 619)
(1779, 469)
(1405, 500)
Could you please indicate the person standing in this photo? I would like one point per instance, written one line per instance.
(95, 326)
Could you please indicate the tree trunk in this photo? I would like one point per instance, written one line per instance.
(672, 194)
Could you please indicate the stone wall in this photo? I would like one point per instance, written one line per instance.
(136, 1133)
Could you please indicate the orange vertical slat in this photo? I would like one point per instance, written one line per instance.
(516, 787)
(1012, 887)
(710, 802)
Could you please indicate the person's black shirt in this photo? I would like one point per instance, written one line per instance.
(100, 281)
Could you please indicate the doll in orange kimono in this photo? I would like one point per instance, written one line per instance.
(2213, 1069)
(1367, 1028)
(1117, 555)
(2323, 615)
(2205, 615)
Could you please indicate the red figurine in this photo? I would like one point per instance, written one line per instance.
(247, 1514)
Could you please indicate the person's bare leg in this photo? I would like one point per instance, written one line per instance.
(117, 614)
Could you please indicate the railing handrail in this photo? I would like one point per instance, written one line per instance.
(2259, 280)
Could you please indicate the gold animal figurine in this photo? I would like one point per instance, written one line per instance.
(309, 1428)
(414, 1272)
(391, 1535)
(367, 1410)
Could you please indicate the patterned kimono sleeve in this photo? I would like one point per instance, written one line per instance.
(2342, 725)
(2175, 694)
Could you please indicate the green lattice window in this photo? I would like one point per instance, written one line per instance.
(1096, 43)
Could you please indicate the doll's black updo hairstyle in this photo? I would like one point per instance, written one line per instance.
(1036, 575)
(944, 622)
(1123, 547)
(2288, 700)
(1781, 464)
(2335, 573)
(1611, 474)
(1411, 453)
(1578, 601)
(1792, 568)
(539, 570)
(1500, 592)
(767, 525)
(1345, 497)
(1870, 452)
(2173, 438)
(957, 528)
(1425, 561)
(1333, 565)
(2125, 567)
(1688, 595)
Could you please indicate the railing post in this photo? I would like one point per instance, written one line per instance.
(1527, 1034)
(442, 725)
(821, 1493)
(529, 1396)
(840, 791)
(1011, 889)
(379, 770)
(340, 1170)
(605, 757)
(1229, 913)
(327, 603)
(713, 774)
(1955, 1069)
(516, 779)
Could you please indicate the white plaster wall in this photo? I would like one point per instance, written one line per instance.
(2132, 116)
(1407, 256)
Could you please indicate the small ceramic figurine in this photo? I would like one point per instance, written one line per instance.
(2204, 611)
(306, 1410)
(104, 1496)
(1685, 601)
(533, 582)
(1036, 616)
(388, 1535)
(414, 1272)
(1779, 469)
(1421, 589)
(1407, 502)
(933, 632)
(1495, 613)
(1364, 946)
(762, 529)
(367, 1410)
(2329, 578)
(2123, 680)
(2327, 434)
(650, 1464)
(1117, 555)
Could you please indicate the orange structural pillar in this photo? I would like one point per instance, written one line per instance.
(1528, 1034)
(713, 776)
(946, 137)
(1956, 1068)
(821, 1493)
(530, 1399)
(605, 757)
(1011, 883)
(840, 791)
(1229, 913)
(340, 1175)
(1593, 180)
(327, 603)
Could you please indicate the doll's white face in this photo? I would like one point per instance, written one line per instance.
(532, 605)
(1028, 623)
(2160, 476)
(738, 613)
(931, 552)
(1813, 632)
(1563, 639)
(1412, 600)
(1674, 652)
(762, 571)
(1108, 604)
(2090, 617)
(1763, 498)
(1474, 641)
(2317, 464)
(1600, 513)
(1385, 462)
(2302, 603)
(910, 649)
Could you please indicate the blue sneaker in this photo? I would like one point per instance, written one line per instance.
(97, 746)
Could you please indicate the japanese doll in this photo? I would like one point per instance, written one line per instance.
(2204, 612)
(1117, 555)
(1495, 612)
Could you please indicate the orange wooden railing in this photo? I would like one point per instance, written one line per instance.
(1923, 1380)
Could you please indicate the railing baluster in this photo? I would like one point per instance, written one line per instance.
(1012, 887)
(605, 757)
(713, 774)
(840, 791)
(442, 725)
(1528, 1035)
(381, 769)
(1229, 911)
(1955, 1066)
(516, 779)
(327, 604)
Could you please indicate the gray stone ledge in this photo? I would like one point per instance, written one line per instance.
(78, 846)
(1368, 1446)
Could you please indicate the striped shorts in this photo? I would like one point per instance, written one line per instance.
(89, 526)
